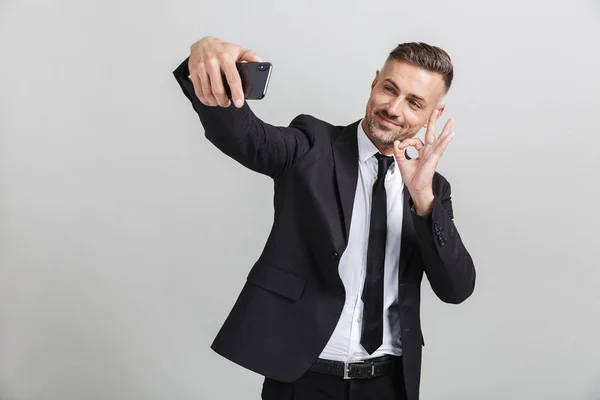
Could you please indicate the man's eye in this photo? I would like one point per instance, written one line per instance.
(414, 103)
(390, 89)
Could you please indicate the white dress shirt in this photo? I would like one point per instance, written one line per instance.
(344, 344)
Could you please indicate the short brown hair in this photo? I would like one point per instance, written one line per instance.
(430, 58)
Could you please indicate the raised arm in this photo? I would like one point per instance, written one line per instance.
(234, 128)
(448, 264)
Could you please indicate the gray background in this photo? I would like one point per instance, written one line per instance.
(125, 236)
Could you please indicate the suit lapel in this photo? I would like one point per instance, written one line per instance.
(345, 154)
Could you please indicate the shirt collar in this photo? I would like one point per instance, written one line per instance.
(366, 148)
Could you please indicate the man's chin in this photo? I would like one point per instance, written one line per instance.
(382, 134)
(384, 140)
(386, 135)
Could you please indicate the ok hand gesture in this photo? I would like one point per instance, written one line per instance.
(417, 173)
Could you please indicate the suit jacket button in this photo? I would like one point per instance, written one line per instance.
(335, 254)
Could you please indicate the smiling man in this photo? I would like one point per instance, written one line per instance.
(331, 309)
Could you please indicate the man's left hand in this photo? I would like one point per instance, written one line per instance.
(417, 173)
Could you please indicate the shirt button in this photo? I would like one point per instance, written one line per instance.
(359, 319)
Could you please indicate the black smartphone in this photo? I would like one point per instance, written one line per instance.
(255, 79)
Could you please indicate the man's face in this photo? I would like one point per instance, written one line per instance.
(402, 98)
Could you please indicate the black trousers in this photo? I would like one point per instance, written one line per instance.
(316, 386)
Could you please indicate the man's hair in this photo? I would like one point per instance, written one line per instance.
(430, 58)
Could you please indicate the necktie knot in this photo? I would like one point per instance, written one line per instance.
(384, 164)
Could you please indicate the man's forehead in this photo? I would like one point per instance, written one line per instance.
(408, 76)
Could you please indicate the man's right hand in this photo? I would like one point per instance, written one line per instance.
(210, 59)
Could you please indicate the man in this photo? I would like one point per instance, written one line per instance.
(331, 309)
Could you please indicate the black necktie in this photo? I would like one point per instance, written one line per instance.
(372, 296)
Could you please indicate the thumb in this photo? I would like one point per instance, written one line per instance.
(399, 152)
(249, 56)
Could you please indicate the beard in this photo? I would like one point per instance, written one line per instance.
(382, 134)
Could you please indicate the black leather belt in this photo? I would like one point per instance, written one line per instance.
(357, 369)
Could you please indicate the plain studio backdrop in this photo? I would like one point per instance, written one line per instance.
(125, 236)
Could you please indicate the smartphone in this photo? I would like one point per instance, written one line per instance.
(255, 78)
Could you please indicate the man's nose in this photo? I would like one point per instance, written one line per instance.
(394, 110)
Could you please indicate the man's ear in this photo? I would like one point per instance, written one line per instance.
(440, 109)
(375, 80)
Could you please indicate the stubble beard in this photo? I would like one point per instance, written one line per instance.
(382, 135)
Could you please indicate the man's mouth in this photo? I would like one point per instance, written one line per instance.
(387, 121)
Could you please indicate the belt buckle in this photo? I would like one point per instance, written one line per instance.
(347, 368)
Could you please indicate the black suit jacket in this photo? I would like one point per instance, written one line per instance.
(293, 297)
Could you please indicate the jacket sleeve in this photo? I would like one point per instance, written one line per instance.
(241, 135)
(448, 264)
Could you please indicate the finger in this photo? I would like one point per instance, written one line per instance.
(441, 138)
(198, 87)
(430, 132)
(234, 81)
(399, 152)
(447, 127)
(419, 146)
(205, 85)
(414, 142)
(443, 144)
(438, 149)
(216, 82)
(249, 56)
